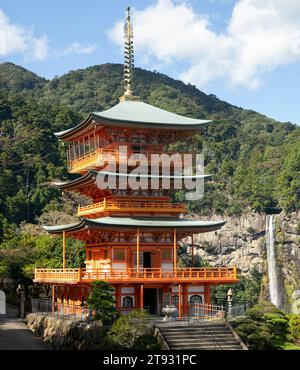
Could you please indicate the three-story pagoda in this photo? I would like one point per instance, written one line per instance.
(131, 235)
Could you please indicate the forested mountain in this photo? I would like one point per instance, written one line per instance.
(16, 79)
(255, 160)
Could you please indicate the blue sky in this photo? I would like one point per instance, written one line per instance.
(246, 52)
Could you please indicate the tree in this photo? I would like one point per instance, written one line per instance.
(101, 301)
(247, 290)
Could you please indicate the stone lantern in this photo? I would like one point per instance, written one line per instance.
(229, 300)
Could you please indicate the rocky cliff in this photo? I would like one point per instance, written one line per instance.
(241, 243)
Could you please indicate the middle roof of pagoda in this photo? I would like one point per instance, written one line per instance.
(90, 178)
(134, 114)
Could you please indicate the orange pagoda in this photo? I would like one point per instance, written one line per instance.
(131, 235)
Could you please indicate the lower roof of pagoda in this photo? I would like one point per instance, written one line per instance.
(146, 223)
(90, 178)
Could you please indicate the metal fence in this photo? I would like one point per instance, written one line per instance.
(196, 312)
(236, 311)
(62, 310)
(207, 311)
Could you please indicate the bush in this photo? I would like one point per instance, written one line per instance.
(129, 328)
(147, 342)
(294, 326)
(265, 327)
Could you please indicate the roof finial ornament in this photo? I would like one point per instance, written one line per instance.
(128, 60)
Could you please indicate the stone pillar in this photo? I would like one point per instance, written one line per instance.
(21, 292)
(229, 300)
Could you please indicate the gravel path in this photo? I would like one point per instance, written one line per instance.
(14, 334)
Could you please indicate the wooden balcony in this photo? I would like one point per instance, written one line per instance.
(147, 275)
(130, 207)
(93, 159)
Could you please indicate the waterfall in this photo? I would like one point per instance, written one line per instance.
(271, 258)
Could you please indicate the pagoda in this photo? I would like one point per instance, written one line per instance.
(131, 236)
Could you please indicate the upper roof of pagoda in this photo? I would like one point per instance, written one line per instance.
(133, 114)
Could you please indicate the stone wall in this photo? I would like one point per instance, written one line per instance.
(65, 334)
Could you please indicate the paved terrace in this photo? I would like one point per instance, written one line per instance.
(14, 334)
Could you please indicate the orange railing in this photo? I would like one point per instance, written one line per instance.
(90, 159)
(93, 159)
(201, 274)
(130, 206)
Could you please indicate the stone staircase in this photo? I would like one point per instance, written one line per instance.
(201, 336)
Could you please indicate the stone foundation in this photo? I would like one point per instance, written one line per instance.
(65, 334)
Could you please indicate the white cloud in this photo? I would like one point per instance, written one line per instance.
(260, 36)
(77, 48)
(15, 39)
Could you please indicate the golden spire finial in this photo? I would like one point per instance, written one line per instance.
(128, 60)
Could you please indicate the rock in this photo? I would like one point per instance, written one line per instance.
(65, 334)
(241, 243)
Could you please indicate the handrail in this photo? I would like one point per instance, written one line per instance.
(144, 274)
(91, 157)
(118, 205)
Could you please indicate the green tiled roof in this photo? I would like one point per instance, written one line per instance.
(91, 176)
(142, 222)
(136, 114)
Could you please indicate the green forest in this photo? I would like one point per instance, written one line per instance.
(255, 160)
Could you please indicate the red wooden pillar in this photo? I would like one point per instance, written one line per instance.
(175, 250)
(185, 299)
(206, 293)
(179, 302)
(118, 296)
(138, 251)
(192, 250)
(142, 296)
(53, 300)
(64, 250)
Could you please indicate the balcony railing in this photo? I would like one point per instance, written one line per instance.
(130, 206)
(93, 159)
(195, 274)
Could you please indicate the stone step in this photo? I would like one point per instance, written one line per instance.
(198, 345)
(200, 340)
(193, 337)
(203, 344)
(191, 331)
(208, 348)
(200, 337)
(194, 326)
(196, 333)
(191, 328)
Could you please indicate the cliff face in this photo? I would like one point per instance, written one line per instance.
(241, 243)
